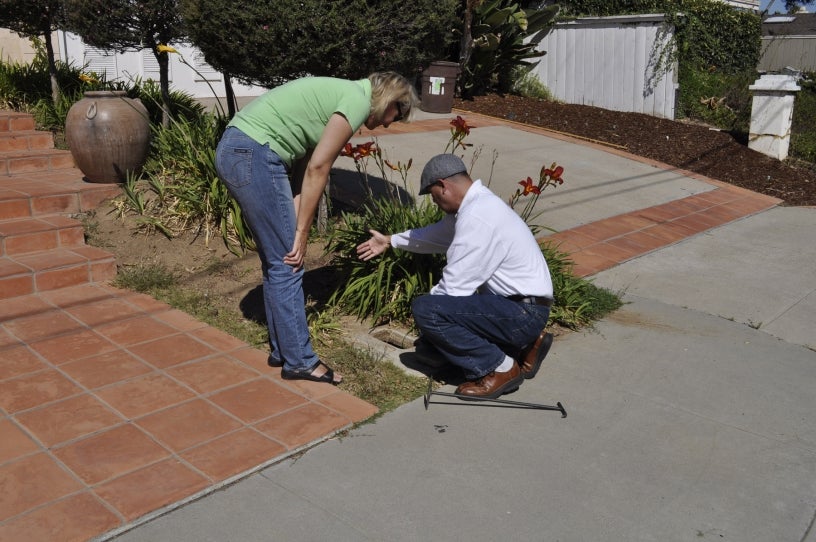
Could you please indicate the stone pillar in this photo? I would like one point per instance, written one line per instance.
(772, 114)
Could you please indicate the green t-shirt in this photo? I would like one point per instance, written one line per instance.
(291, 118)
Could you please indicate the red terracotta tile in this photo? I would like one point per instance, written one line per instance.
(642, 240)
(593, 233)
(35, 390)
(218, 339)
(303, 425)
(41, 325)
(7, 340)
(103, 311)
(571, 241)
(669, 232)
(312, 390)
(18, 360)
(608, 251)
(104, 369)
(143, 395)
(14, 442)
(724, 213)
(189, 424)
(67, 420)
(135, 330)
(15, 208)
(212, 374)
(20, 307)
(590, 262)
(50, 260)
(61, 278)
(257, 399)
(151, 488)
(172, 350)
(110, 454)
(179, 320)
(612, 227)
(145, 302)
(58, 203)
(12, 286)
(350, 406)
(234, 454)
(33, 481)
(660, 213)
(717, 196)
(77, 518)
(72, 346)
(19, 244)
(698, 222)
(252, 357)
(750, 206)
(67, 298)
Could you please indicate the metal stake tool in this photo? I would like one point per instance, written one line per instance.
(520, 404)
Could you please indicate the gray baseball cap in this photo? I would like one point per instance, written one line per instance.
(440, 166)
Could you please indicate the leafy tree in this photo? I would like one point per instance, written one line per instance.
(35, 18)
(793, 5)
(129, 25)
(267, 42)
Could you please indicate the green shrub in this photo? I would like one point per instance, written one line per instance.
(526, 84)
(803, 130)
(383, 288)
(715, 98)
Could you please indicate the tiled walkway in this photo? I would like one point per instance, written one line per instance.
(115, 406)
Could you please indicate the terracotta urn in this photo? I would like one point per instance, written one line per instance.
(108, 135)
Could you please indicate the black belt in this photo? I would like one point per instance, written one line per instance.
(532, 300)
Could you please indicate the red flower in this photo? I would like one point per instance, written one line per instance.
(460, 126)
(347, 150)
(529, 187)
(367, 149)
(554, 174)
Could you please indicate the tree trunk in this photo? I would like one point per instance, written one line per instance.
(466, 43)
(52, 66)
(164, 84)
(232, 104)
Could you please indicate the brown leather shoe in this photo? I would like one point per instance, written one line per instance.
(531, 357)
(492, 385)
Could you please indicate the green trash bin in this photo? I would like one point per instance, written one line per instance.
(438, 86)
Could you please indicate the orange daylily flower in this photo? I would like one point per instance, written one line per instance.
(529, 187)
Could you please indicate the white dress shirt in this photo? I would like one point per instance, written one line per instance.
(489, 249)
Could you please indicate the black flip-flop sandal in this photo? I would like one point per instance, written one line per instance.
(273, 362)
(306, 374)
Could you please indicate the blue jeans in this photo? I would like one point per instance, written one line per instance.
(258, 180)
(476, 332)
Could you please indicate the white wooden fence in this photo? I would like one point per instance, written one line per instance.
(201, 82)
(611, 62)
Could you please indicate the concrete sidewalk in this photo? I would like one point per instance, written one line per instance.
(690, 410)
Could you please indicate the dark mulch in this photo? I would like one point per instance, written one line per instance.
(685, 145)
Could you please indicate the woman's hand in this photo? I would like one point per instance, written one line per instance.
(375, 246)
(296, 256)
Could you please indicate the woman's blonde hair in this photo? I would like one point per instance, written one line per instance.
(390, 87)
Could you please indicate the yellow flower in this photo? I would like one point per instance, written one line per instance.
(87, 78)
(165, 49)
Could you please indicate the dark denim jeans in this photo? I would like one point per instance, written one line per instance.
(257, 178)
(475, 332)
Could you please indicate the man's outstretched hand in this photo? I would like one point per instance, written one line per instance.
(375, 246)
